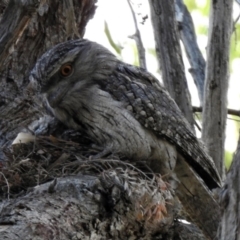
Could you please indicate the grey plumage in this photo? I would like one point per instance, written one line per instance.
(123, 108)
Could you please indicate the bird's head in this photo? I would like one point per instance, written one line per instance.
(75, 62)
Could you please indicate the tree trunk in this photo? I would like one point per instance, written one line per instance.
(216, 82)
(229, 196)
(169, 54)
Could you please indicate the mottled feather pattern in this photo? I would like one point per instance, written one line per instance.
(103, 91)
(156, 110)
(52, 60)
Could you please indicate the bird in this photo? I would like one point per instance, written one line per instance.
(127, 111)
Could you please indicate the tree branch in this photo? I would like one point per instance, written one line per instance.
(188, 37)
(137, 37)
(233, 112)
(169, 54)
(216, 82)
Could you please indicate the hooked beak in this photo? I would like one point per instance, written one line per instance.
(55, 96)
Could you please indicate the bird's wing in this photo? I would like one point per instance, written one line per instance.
(153, 107)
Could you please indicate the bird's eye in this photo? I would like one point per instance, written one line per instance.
(66, 69)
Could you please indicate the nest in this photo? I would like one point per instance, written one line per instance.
(34, 163)
(70, 153)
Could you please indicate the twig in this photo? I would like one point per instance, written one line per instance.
(8, 187)
(235, 21)
(233, 112)
(116, 47)
(138, 39)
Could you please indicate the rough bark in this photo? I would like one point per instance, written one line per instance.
(79, 207)
(83, 207)
(169, 54)
(216, 82)
(230, 199)
(33, 30)
(201, 206)
(12, 29)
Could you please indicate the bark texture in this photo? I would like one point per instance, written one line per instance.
(230, 199)
(34, 28)
(79, 207)
(216, 82)
(87, 207)
(202, 207)
(169, 54)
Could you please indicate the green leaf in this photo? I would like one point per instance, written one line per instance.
(116, 46)
(228, 159)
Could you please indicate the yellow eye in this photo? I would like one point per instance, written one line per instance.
(66, 69)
